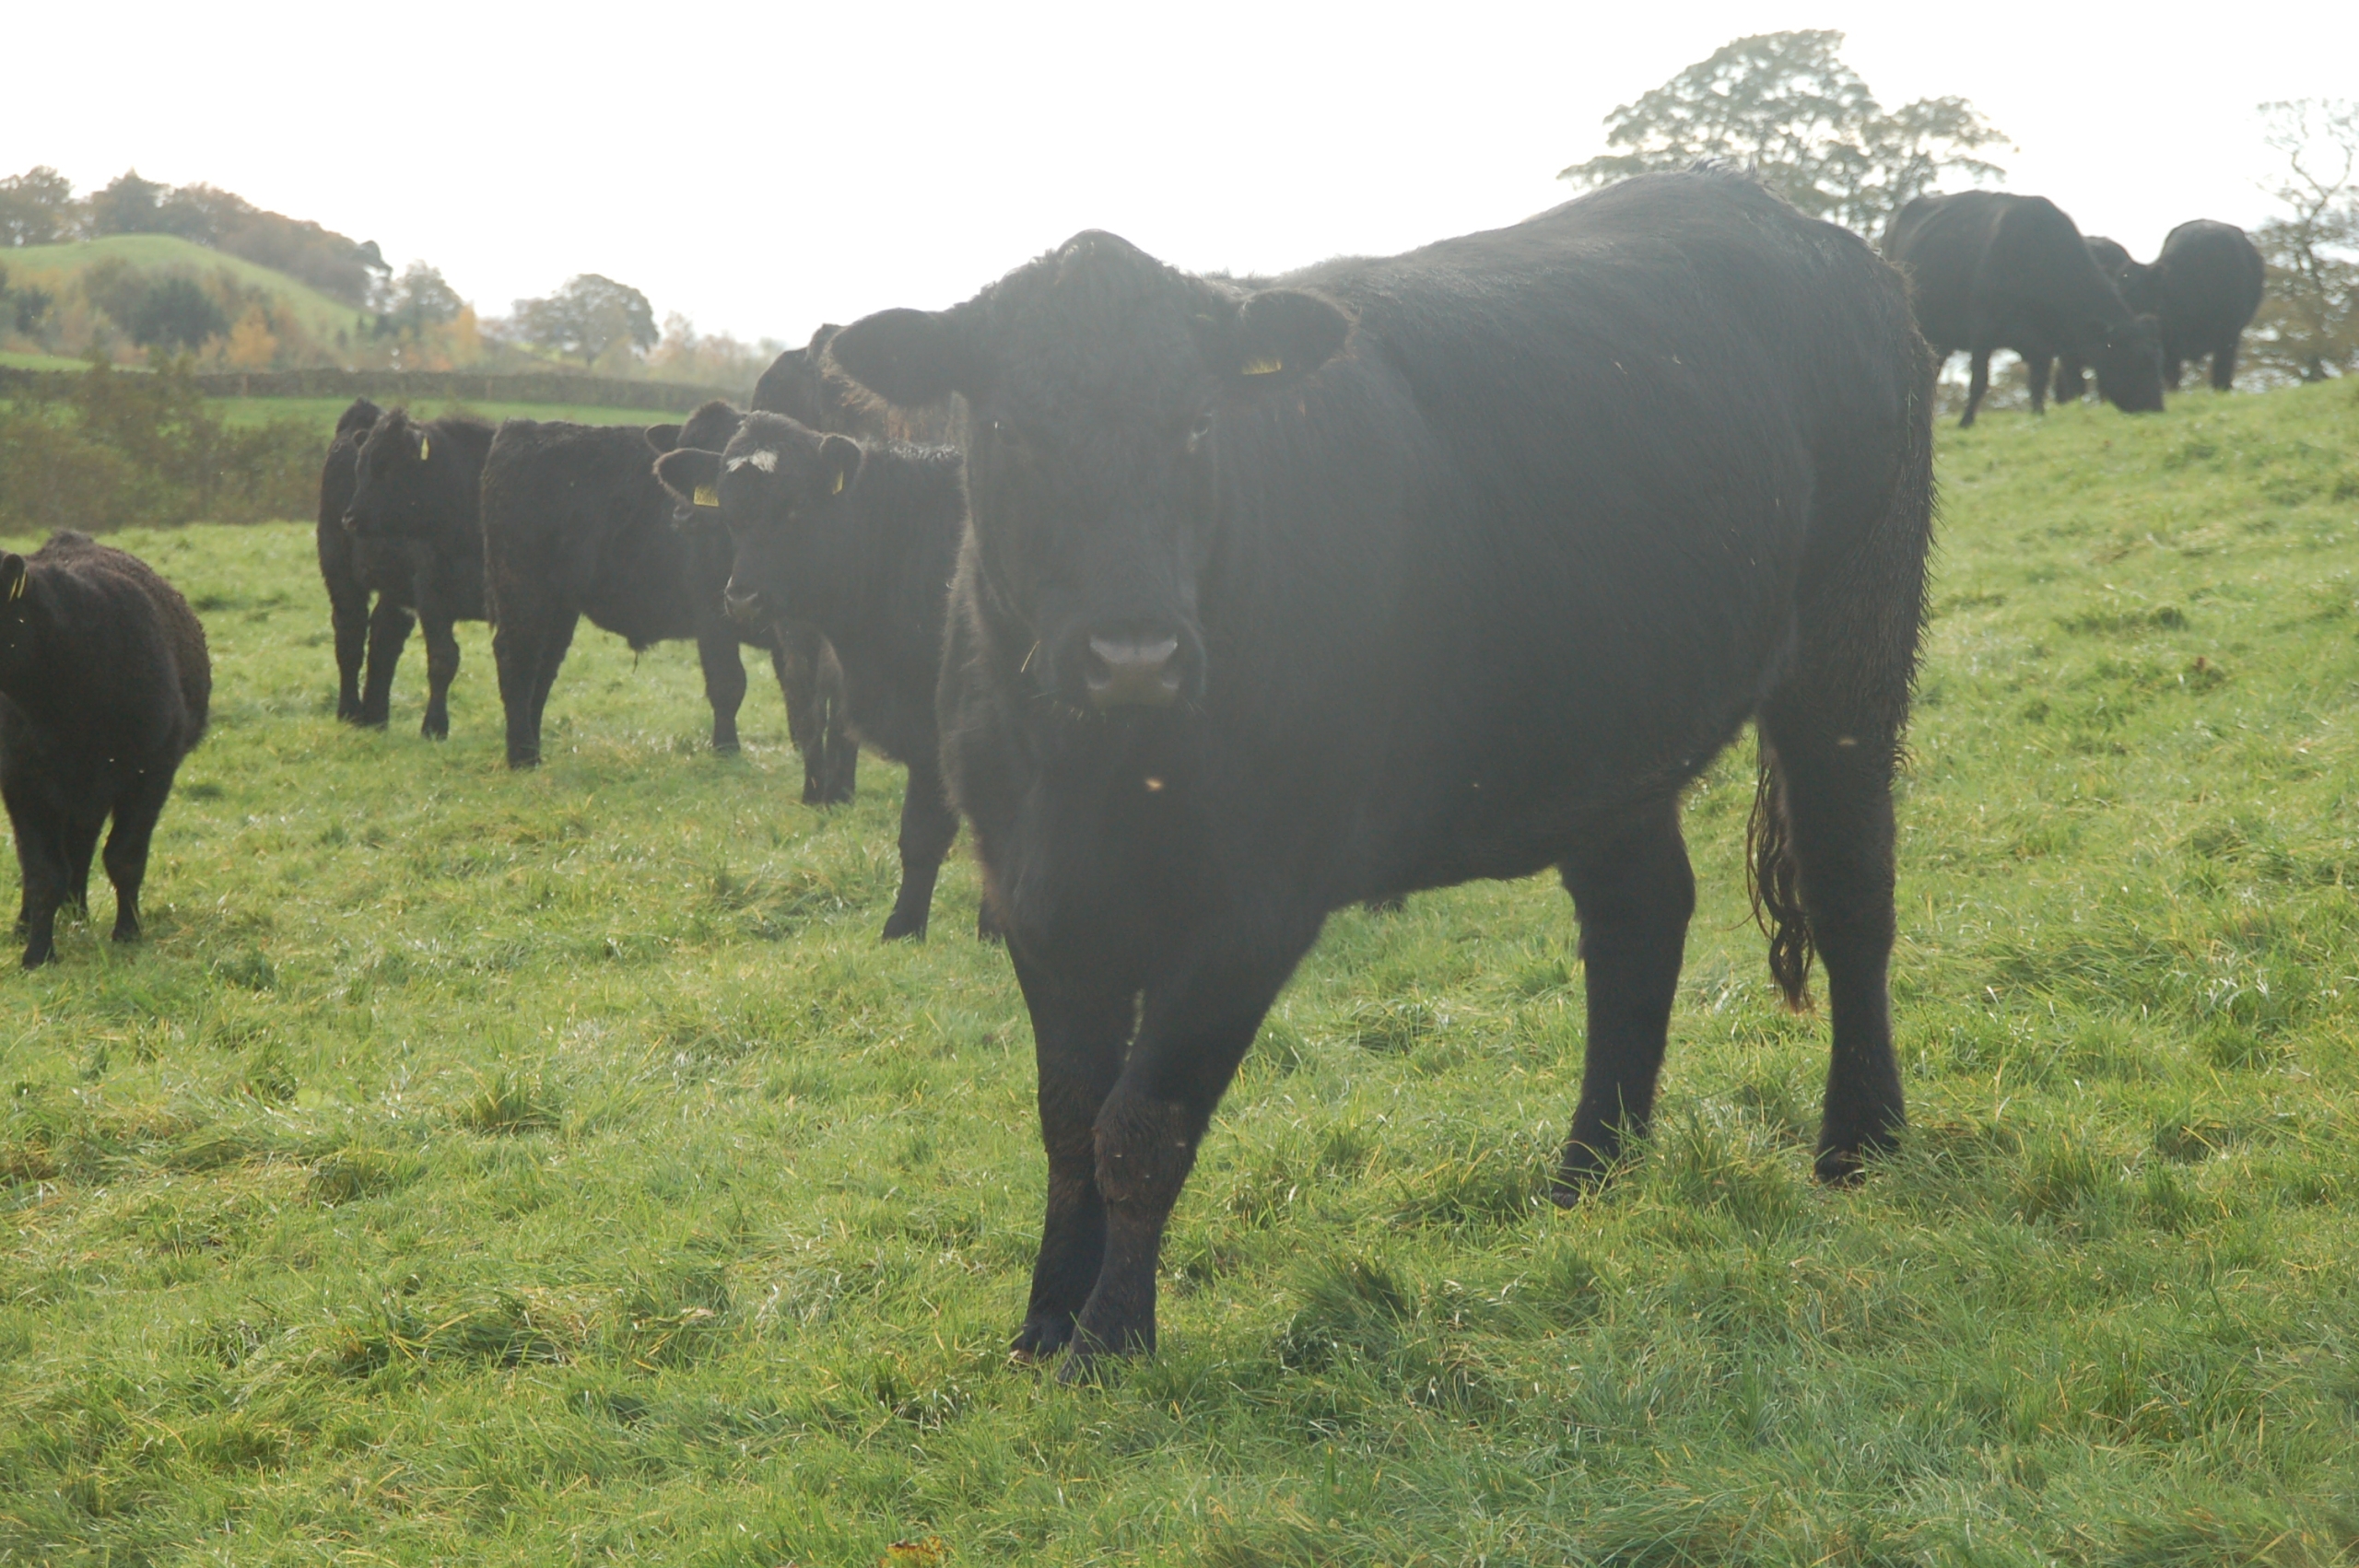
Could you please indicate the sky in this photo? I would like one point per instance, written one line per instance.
(763, 168)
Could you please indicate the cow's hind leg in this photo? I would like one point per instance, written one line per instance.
(1977, 383)
(127, 858)
(81, 837)
(1634, 892)
(2036, 366)
(1078, 1033)
(2223, 363)
(929, 824)
(389, 627)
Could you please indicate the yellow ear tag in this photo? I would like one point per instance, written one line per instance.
(1262, 367)
(706, 495)
(424, 446)
(839, 485)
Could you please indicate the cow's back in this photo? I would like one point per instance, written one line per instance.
(575, 509)
(2211, 277)
(144, 671)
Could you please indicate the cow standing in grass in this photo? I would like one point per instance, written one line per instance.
(2133, 279)
(367, 635)
(104, 686)
(1989, 271)
(819, 720)
(1396, 573)
(414, 503)
(575, 524)
(2207, 283)
(861, 544)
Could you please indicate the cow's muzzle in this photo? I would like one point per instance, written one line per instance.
(1132, 671)
(746, 609)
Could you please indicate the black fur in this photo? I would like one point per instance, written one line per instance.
(1987, 270)
(2135, 281)
(355, 572)
(868, 565)
(1399, 573)
(104, 686)
(416, 506)
(575, 524)
(2207, 283)
(809, 677)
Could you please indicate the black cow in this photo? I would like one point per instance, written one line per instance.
(1988, 270)
(819, 720)
(1396, 573)
(354, 573)
(415, 505)
(575, 524)
(2207, 283)
(2134, 279)
(104, 686)
(807, 387)
(861, 546)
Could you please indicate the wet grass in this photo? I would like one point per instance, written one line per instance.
(484, 1168)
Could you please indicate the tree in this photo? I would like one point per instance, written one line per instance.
(590, 315)
(36, 207)
(2308, 325)
(174, 313)
(419, 298)
(129, 205)
(1784, 106)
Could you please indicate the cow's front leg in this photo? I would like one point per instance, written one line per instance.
(1078, 1031)
(1192, 1033)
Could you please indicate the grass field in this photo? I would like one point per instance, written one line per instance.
(554, 1169)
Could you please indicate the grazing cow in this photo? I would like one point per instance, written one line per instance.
(2207, 283)
(1396, 573)
(861, 546)
(575, 524)
(1990, 271)
(2134, 278)
(104, 684)
(414, 503)
(354, 573)
(809, 678)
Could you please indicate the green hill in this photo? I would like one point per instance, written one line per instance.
(49, 266)
(476, 1166)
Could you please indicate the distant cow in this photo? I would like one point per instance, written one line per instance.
(1990, 271)
(575, 524)
(807, 387)
(2133, 279)
(415, 505)
(353, 575)
(1400, 572)
(861, 546)
(809, 677)
(2207, 283)
(104, 686)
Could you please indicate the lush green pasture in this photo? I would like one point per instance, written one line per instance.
(546, 1169)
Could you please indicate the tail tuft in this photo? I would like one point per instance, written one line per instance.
(1774, 880)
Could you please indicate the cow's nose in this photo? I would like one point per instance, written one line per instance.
(351, 521)
(746, 609)
(1132, 671)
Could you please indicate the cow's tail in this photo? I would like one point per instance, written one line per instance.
(1773, 879)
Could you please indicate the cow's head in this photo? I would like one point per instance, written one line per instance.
(708, 429)
(2128, 360)
(395, 487)
(782, 489)
(1098, 379)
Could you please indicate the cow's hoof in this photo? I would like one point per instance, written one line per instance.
(905, 928)
(1042, 1336)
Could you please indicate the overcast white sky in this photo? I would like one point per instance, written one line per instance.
(761, 167)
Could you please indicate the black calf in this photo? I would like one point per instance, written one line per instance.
(861, 547)
(104, 682)
(414, 507)
(354, 572)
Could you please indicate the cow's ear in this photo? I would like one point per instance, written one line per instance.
(1276, 336)
(12, 579)
(838, 465)
(662, 437)
(909, 357)
(693, 476)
